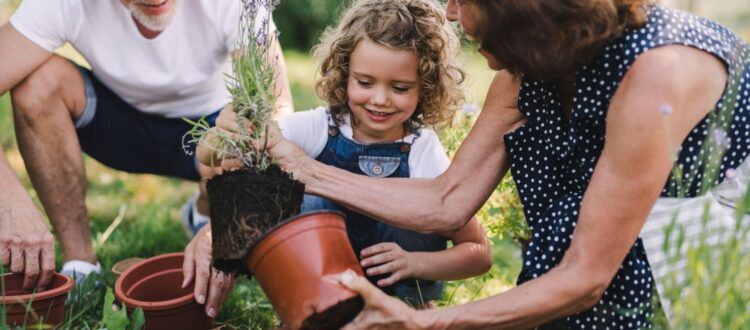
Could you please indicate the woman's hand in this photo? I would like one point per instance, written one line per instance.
(381, 311)
(384, 258)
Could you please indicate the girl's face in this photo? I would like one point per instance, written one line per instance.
(383, 91)
(456, 11)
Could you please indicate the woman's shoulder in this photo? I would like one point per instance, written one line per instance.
(667, 26)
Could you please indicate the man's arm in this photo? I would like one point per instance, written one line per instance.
(284, 104)
(18, 58)
(26, 243)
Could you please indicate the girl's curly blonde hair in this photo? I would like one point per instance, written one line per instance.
(418, 26)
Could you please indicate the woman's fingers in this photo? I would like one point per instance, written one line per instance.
(371, 294)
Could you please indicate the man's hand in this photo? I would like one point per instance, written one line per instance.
(26, 244)
(385, 258)
(211, 285)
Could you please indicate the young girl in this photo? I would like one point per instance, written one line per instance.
(387, 70)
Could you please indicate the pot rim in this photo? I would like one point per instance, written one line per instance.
(151, 305)
(261, 248)
(38, 296)
(287, 221)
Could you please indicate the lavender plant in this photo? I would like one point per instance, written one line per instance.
(252, 86)
(707, 282)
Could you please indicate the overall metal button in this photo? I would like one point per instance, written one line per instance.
(377, 170)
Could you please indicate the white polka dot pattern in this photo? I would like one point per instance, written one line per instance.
(553, 160)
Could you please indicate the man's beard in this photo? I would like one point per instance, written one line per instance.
(156, 23)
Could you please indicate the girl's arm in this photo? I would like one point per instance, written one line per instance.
(469, 256)
(634, 165)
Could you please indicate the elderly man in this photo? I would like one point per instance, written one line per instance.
(152, 63)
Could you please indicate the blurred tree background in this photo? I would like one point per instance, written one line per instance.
(303, 21)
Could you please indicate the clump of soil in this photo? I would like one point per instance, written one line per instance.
(244, 205)
(334, 317)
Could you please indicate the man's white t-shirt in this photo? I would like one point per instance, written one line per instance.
(309, 130)
(180, 73)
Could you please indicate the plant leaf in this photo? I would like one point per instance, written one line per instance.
(114, 320)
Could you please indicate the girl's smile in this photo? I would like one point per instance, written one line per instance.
(383, 91)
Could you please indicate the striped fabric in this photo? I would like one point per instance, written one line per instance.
(710, 217)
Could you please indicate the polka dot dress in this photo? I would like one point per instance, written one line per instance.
(553, 160)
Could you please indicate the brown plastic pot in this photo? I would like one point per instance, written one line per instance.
(154, 285)
(295, 264)
(47, 307)
(121, 266)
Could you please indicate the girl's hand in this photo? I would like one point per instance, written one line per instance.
(390, 258)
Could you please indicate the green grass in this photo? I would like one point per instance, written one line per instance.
(150, 207)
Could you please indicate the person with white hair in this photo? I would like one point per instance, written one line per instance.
(153, 62)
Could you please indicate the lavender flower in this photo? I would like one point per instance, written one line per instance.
(470, 108)
(721, 137)
(666, 109)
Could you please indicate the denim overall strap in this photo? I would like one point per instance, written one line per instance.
(381, 160)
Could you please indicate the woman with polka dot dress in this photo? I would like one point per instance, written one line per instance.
(594, 104)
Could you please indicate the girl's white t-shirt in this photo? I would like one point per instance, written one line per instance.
(309, 130)
(180, 73)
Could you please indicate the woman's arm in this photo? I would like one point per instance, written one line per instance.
(440, 205)
(634, 165)
(631, 172)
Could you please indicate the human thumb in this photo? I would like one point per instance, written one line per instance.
(360, 285)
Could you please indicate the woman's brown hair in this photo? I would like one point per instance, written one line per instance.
(549, 39)
(418, 26)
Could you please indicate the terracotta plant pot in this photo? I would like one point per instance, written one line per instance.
(154, 285)
(47, 307)
(295, 263)
(121, 266)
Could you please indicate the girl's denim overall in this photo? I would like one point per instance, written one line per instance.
(377, 160)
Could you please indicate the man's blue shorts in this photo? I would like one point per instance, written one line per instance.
(117, 135)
